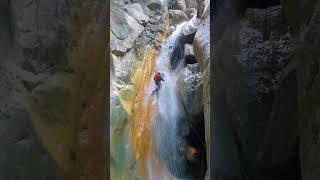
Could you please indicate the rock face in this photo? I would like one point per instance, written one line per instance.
(120, 158)
(121, 45)
(189, 54)
(265, 82)
(182, 150)
(306, 33)
(155, 5)
(201, 48)
(53, 81)
(145, 19)
(191, 4)
(177, 17)
(190, 89)
(181, 5)
(135, 10)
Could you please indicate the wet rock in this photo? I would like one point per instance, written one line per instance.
(135, 10)
(177, 17)
(176, 151)
(188, 50)
(171, 29)
(201, 48)
(176, 53)
(189, 87)
(189, 55)
(189, 29)
(191, 4)
(202, 5)
(154, 5)
(201, 42)
(191, 154)
(181, 5)
(191, 12)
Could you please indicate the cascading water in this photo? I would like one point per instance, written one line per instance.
(159, 137)
(165, 120)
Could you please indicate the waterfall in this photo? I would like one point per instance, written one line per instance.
(169, 110)
(160, 137)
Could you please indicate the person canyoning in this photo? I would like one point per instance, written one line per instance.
(158, 77)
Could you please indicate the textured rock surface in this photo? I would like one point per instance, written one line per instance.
(145, 19)
(53, 80)
(154, 5)
(189, 30)
(201, 48)
(181, 5)
(306, 62)
(189, 54)
(185, 155)
(266, 86)
(121, 46)
(119, 130)
(135, 10)
(189, 88)
(177, 17)
(191, 4)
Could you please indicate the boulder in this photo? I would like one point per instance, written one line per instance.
(189, 55)
(154, 5)
(121, 47)
(189, 87)
(171, 29)
(135, 10)
(118, 23)
(201, 42)
(176, 17)
(181, 5)
(191, 12)
(191, 4)
(116, 47)
(123, 67)
(189, 29)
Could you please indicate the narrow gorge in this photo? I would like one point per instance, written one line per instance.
(162, 136)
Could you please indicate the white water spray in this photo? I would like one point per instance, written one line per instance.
(167, 104)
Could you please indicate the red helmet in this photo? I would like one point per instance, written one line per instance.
(156, 76)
